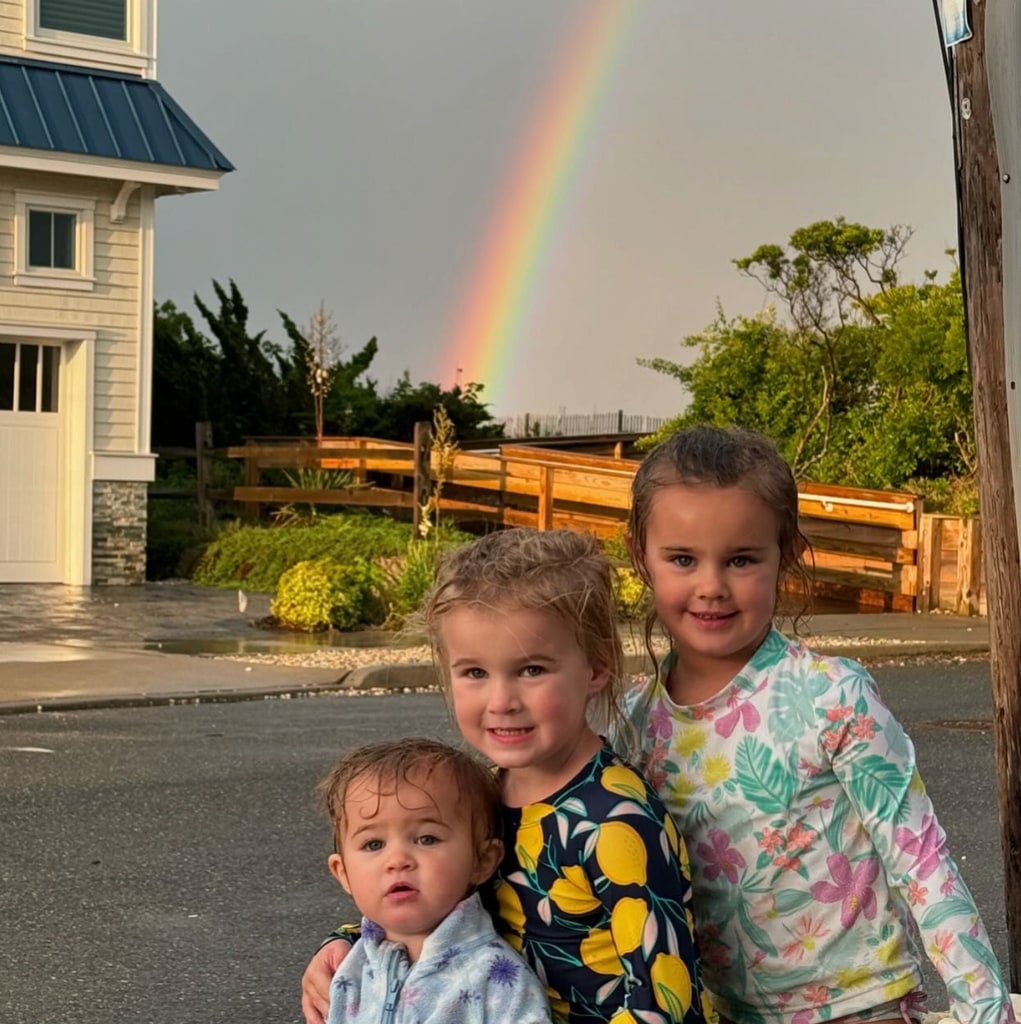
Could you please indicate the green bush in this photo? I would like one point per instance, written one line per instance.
(409, 579)
(631, 595)
(326, 593)
(174, 540)
(255, 557)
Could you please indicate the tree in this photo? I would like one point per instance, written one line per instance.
(858, 378)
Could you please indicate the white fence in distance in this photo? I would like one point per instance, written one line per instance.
(562, 424)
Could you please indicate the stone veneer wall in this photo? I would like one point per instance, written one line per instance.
(118, 532)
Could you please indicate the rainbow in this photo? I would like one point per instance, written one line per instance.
(532, 205)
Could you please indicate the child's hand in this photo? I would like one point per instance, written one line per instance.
(315, 982)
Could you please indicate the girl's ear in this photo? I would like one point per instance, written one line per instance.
(487, 858)
(336, 865)
(599, 681)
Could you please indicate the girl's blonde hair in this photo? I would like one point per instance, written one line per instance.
(721, 457)
(559, 572)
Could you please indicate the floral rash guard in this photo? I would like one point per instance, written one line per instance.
(814, 846)
(593, 893)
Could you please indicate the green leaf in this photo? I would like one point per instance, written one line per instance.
(762, 778)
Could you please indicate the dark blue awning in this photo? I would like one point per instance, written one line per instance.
(67, 109)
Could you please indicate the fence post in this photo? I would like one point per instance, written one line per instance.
(545, 517)
(203, 473)
(969, 567)
(250, 509)
(423, 477)
(930, 541)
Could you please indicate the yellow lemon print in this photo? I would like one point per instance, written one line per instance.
(598, 953)
(573, 892)
(529, 840)
(627, 923)
(560, 1008)
(509, 903)
(623, 1017)
(672, 835)
(671, 984)
(624, 782)
(621, 854)
(707, 1009)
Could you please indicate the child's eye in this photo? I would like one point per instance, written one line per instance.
(740, 561)
(474, 673)
(428, 840)
(683, 561)
(533, 671)
(372, 845)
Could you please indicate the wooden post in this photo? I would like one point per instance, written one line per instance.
(930, 546)
(969, 567)
(545, 517)
(423, 475)
(976, 88)
(203, 473)
(253, 476)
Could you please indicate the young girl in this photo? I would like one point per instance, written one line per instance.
(815, 849)
(591, 890)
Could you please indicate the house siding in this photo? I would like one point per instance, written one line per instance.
(12, 24)
(111, 309)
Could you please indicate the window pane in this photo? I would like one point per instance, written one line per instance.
(51, 378)
(106, 18)
(40, 236)
(7, 353)
(63, 240)
(27, 378)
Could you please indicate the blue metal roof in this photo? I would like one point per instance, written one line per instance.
(68, 109)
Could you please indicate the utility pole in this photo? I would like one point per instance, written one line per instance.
(985, 88)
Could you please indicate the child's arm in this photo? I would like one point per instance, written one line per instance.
(875, 762)
(315, 982)
(635, 869)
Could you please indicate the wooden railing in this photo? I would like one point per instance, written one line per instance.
(865, 543)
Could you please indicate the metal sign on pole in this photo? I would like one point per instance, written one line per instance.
(983, 51)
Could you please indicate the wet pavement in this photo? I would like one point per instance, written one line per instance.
(64, 647)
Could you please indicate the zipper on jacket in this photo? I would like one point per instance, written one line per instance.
(393, 986)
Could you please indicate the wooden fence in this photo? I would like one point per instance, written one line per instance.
(866, 543)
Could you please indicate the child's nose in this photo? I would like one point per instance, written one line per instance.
(503, 696)
(400, 856)
(711, 582)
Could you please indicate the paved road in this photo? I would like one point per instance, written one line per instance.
(166, 864)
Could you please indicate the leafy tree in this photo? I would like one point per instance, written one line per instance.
(858, 378)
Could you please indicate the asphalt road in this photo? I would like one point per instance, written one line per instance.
(168, 865)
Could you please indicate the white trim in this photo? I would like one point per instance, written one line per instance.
(22, 331)
(79, 278)
(131, 466)
(146, 295)
(135, 53)
(119, 207)
(181, 179)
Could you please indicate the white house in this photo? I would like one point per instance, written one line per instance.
(88, 141)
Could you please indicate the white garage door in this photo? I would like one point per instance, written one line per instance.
(31, 464)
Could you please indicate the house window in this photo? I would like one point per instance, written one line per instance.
(107, 19)
(29, 377)
(51, 239)
(54, 241)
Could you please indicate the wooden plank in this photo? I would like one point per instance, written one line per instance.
(370, 497)
(544, 516)
(930, 533)
(969, 568)
(529, 454)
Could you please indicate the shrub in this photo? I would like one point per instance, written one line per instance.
(630, 593)
(255, 557)
(409, 579)
(324, 593)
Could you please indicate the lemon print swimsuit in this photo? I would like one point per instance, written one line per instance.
(594, 892)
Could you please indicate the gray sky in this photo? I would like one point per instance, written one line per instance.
(376, 140)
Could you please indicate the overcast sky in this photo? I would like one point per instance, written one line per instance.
(375, 142)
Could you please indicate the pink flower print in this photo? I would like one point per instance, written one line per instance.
(786, 863)
(655, 769)
(851, 888)
(818, 801)
(941, 943)
(863, 727)
(917, 894)
(741, 710)
(719, 858)
(817, 995)
(809, 770)
(771, 840)
(700, 713)
(840, 713)
(713, 951)
(805, 932)
(948, 885)
(832, 738)
(800, 838)
(659, 723)
(926, 845)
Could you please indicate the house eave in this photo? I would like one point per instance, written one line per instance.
(167, 177)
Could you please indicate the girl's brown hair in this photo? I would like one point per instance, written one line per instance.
(721, 457)
(557, 571)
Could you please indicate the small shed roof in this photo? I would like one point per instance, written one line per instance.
(86, 111)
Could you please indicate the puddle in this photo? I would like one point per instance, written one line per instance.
(280, 643)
